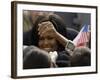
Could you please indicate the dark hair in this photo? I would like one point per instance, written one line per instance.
(81, 57)
(56, 21)
(33, 58)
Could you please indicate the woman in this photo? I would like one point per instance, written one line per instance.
(49, 34)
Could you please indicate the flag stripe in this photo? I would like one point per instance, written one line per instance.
(83, 36)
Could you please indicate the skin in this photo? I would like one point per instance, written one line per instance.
(49, 37)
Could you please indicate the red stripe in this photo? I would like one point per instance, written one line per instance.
(83, 38)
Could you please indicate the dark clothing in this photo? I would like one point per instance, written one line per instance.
(71, 33)
(27, 38)
(63, 59)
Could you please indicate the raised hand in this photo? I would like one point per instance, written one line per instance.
(46, 27)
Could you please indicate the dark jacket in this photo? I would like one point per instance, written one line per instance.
(63, 59)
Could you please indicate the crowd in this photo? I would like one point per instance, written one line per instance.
(49, 44)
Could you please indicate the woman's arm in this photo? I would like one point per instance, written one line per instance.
(48, 27)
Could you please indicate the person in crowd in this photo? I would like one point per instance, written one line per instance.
(34, 58)
(81, 57)
(49, 34)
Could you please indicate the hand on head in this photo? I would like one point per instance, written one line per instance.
(46, 27)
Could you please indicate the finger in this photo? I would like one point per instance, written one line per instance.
(44, 32)
(43, 27)
(43, 24)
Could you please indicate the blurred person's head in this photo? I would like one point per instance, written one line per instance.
(81, 57)
(33, 57)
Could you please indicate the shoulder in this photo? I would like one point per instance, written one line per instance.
(71, 33)
(64, 55)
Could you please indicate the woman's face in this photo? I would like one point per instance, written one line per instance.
(47, 42)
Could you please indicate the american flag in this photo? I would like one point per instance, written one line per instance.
(83, 37)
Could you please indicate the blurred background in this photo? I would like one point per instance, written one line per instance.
(72, 20)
